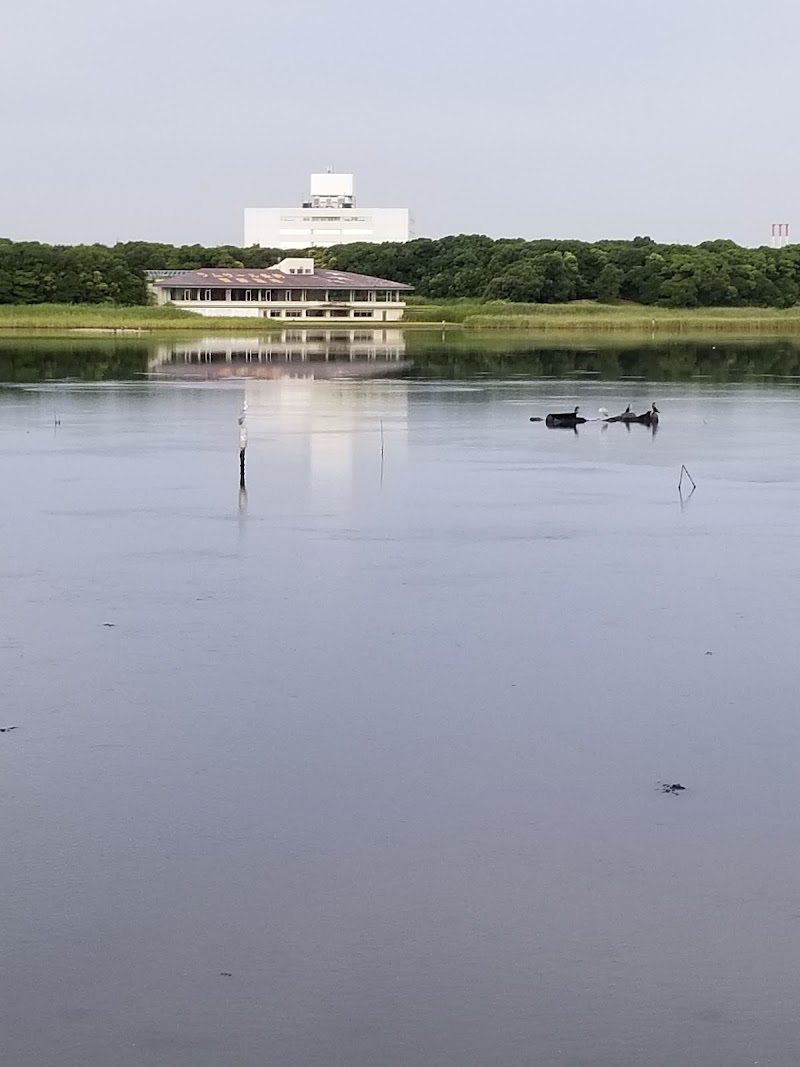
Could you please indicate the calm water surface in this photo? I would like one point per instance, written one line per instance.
(360, 769)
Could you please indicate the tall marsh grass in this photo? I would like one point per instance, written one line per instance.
(580, 316)
(111, 317)
(588, 315)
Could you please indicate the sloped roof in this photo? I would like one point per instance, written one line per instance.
(274, 279)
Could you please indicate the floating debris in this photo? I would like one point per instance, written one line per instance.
(566, 420)
(672, 787)
(225, 974)
(7, 729)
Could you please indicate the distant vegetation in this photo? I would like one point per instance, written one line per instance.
(715, 274)
(112, 317)
(595, 317)
(33, 273)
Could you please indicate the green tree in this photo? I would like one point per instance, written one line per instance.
(609, 282)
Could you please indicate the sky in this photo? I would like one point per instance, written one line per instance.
(516, 118)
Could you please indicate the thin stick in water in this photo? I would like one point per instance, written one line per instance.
(691, 479)
(381, 453)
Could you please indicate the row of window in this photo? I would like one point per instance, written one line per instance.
(307, 296)
(318, 313)
(324, 218)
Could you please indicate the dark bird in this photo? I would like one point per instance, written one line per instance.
(6, 729)
(650, 418)
(672, 787)
(626, 416)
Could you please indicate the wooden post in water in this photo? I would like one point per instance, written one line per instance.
(242, 441)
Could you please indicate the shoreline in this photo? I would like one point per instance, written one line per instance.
(582, 317)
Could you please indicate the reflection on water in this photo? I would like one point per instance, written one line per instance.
(458, 354)
(291, 353)
(331, 437)
(469, 354)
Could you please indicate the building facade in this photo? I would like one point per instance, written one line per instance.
(328, 216)
(292, 289)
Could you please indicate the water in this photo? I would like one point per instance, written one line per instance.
(360, 767)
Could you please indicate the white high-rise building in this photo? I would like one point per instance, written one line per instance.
(329, 216)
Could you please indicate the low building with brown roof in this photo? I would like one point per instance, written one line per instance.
(292, 289)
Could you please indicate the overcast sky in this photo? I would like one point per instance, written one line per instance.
(566, 118)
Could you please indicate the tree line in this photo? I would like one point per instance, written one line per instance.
(34, 273)
(712, 274)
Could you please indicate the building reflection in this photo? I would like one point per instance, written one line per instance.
(323, 441)
(321, 406)
(291, 353)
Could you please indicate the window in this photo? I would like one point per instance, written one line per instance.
(339, 295)
(293, 314)
(274, 314)
(362, 314)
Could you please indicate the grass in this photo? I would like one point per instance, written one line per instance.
(111, 317)
(590, 316)
(580, 316)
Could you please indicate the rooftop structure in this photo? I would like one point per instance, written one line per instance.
(292, 289)
(327, 216)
